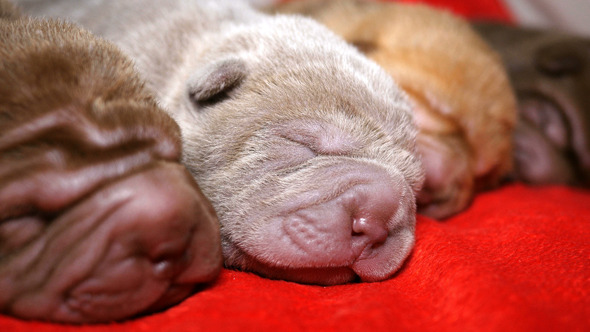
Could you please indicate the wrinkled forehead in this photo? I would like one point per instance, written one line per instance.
(297, 69)
(318, 92)
(333, 82)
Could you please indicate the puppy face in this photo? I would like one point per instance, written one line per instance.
(550, 73)
(306, 151)
(98, 220)
(463, 104)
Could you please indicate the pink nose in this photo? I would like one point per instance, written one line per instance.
(367, 233)
(373, 207)
(382, 213)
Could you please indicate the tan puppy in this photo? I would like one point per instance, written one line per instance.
(463, 104)
(305, 148)
(98, 219)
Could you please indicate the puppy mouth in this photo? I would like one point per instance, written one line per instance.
(314, 275)
(325, 276)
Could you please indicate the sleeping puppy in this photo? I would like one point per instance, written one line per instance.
(550, 72)
(98, 219)
(463, 104)
(305, 148)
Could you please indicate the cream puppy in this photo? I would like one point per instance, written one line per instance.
(304, 146)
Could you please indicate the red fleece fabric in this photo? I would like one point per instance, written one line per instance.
(517, 260)
(477, 10)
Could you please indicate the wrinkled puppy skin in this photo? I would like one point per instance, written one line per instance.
(550, 72)
(305, 148)
(464, 107)
(98, 219)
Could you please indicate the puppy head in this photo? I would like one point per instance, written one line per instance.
(91, 186)
(463, 104)
(306, 150)
(550, 73)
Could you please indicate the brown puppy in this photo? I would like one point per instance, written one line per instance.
(98, 220)
(550, 72)
(463, 104)
(304, 146)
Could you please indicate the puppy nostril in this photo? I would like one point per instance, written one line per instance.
(164, 269)
(374, 231)
(367, 237)
(358, 225)
(168, 265)
(168, 268)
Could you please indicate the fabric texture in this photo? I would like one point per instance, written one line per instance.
(476, 10)
(517, 260)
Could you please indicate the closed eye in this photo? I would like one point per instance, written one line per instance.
(285, 153)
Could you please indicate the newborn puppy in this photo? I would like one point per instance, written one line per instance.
(550, 72)
(463, 105)
(98, 220)
(305, 147)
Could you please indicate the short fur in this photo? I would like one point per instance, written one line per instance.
(550, 71)
(98, 219)
(463, 104)
(287, 129)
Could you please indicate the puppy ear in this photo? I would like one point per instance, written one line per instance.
(212, 82)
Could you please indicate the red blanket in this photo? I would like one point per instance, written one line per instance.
(517, 260)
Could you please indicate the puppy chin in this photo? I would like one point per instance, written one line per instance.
(326, 276)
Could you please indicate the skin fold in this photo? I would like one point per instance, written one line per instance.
(99, 221)
(463, 104)
(305, 148)
(551, 76)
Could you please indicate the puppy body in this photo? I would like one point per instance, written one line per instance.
(98, 219)
(550, 72)
(463, 104)
(305, 148)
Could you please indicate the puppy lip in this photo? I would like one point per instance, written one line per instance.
(365, 252)
(309, 274)
(325, 276)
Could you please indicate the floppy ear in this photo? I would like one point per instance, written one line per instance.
(212, 82)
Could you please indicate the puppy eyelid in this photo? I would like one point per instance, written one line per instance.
(303, 142)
